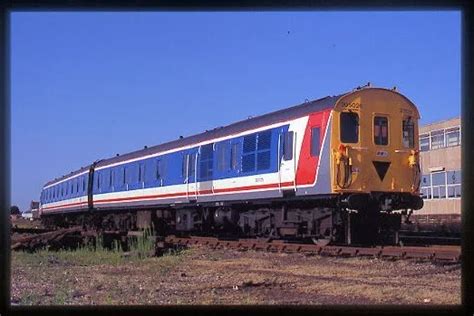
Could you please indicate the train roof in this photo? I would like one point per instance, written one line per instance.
(69, 175)
(234, 128)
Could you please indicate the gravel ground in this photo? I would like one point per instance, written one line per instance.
(202, 276)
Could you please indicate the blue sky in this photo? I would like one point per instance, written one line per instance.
(88, 85)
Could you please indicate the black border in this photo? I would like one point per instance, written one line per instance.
(467, 117)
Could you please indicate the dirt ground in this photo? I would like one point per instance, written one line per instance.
(199, 276)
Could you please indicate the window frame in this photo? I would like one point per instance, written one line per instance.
(234, 154)
(405, 121)
(288, 139)
(342, 126)
(380, 138)
(312, 144)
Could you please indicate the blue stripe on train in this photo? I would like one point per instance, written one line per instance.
(255, 154)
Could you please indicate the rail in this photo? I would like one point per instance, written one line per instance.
(433, 253)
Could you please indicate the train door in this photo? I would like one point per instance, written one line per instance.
(190, 171)
(287, 160)
(381, 156)
(308, 161)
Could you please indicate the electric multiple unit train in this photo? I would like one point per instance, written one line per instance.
(337, 168)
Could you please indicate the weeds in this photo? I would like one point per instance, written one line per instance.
(144, 245)
(93, 253)
(56, 267)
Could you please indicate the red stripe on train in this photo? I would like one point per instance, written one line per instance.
(307, 164)
(147, 197)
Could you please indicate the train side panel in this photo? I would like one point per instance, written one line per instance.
(256, 174)
(68, 195)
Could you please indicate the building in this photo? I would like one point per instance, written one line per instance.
(34, 208)
(440, 159)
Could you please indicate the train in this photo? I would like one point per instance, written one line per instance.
(342, 169)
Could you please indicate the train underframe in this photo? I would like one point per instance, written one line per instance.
(365, 219)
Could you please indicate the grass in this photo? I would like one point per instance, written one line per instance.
(93, 253)
(61, 276)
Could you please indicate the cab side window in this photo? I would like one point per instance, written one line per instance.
(349, 127)
(380, 130)
(315, 136)
(408, 130)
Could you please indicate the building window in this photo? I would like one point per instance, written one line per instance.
(441, 185)
(380, 130)
(453, 137)
(349, 127)
(424, 142)
(288, 145)
(438, 180)
(437, 139)
(425, 186)
(124, 173)
(454, 183)
(408, 133)
(315, 137)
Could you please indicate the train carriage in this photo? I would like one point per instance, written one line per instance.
(333, 168)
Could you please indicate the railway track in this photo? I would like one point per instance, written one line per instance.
(444, 253)
(433, 253)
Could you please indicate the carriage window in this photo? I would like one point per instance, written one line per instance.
(233, 156)
(141, 172)
(288, 145)
(263, 150)
(158, 169)
(192, 164)
(349, 127)
(248, 155)
(221, 155)
(408, 130)
(380, 130)
(206, 162)
(315, 136)
(184, 163)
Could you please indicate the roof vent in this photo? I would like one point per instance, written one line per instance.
(117, 155)
(145, 147)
